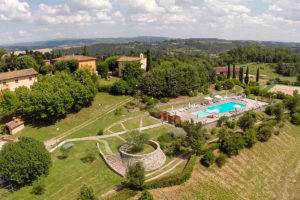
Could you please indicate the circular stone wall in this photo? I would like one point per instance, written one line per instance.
(150, 161)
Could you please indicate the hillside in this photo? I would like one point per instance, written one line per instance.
(267, 171)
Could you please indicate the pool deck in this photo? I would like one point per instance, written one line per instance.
(185, 113)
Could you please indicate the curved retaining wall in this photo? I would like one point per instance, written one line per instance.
(151, 161)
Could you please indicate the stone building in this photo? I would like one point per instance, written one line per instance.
(14, 126)
(85, 62)
(13, 79)
(123, 60)
(223, 70)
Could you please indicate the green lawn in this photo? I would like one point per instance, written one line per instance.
(111, 81)
(265, 69)
(47, 132)
(158, 131)
(67, 176)
(114, 143)
(148, 121)
(145, 149)
(117, 128)
(132, 124)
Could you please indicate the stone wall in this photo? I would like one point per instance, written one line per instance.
(151, 161)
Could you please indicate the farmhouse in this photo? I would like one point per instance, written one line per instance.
(122, 61)
(223, 70)
(14, 79)
(85, 62)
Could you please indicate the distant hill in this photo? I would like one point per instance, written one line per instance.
(195, 46)
(60, 43)
(135, 45)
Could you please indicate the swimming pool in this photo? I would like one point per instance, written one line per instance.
(221, 108)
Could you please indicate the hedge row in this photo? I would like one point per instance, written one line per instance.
(174, 180)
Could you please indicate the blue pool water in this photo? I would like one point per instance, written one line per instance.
(221, 108)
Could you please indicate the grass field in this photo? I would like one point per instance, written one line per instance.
(146, 149)
(116, 128)
(132, 124)
(49, 131)
(111, 81)
(67, 176)
(269, 170)
(265, 69)
(148, 121)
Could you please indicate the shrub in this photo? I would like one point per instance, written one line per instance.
(214, 131)
(296, 118)
(155, 113)
(89, 158)
(232, 143)
(222, 120)
(208, 159)
(221, 160)
(250, 137)
(228, 84)
(38, 187)
(247, 120)
(86, 193)
(178, 132)
(264, 133)
(280, 95)
(230, 124)
(118, 111)
(221, 77)
(174, 180)
(247, 91)
(269, 110)
(135, 175)
(164, 100)
(218, 86)
(146, 195)
(100, 132)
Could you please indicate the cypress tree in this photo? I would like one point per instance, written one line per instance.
(85, 51)
(149, 60)
(241, 75)
(228, 71)
(257, 75)
(234, 72)
(247, 76)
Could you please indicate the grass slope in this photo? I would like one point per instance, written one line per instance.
(267, 171)
(67, 176)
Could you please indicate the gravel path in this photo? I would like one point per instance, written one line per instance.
(107, 148)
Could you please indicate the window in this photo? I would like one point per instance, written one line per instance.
(16, 80)
(30, 78)
(4, 83)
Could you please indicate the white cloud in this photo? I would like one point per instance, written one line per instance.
(90, 4)
(14, 10)
(102, 17)
(61, 14)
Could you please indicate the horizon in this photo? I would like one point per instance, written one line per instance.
(40, 20)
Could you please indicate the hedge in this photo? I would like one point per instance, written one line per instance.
(174, 180)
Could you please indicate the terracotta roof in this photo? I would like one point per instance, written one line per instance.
(75, 57)
(17, 74)
(129, 59)
(224, 69)
(14, 123)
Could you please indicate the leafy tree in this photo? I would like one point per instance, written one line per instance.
(9, 103)
(296, 118)
(247, 121)
(298, 77)
(24, 161)
(247, 76)
(250, 137)
(26, 62)
(46, 69)
(132, 74)
(61, 65)
(208, 159)
(85, 51)
(67, 65)
(228, 70)
(2, 52)
(146, 195)
(228, 84)
(86, 193)
(257, 75)
(103, 69)
(112, 62)
(221, 160)
(120, 87)
(73, 65)
(135, 175)
(231, 143)
(137, 138)
(278, 110)
(264, 132)
(149, 60)
(241, 75)
(234, 72)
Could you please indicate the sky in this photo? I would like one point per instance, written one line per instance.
(36, 20)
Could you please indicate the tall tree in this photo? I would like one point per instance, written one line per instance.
(247, 76)
(234, 72)
(228, 71)
(149, 60)
(85, 51)
(24, 161)
(257, 75)
(241, 75)
(135, 175)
